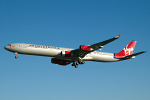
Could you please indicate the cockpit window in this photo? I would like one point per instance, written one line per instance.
(9, 44)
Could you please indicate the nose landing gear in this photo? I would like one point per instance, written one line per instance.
(16, 55)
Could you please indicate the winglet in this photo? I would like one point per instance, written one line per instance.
(118, 36)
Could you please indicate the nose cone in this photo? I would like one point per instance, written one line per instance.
(6, 47)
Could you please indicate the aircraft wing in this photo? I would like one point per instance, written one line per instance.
(132, 56)
(101, 44)
(93, 47)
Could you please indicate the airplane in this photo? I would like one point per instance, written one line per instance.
(65, 56)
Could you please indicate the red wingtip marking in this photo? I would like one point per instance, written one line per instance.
(118, 36)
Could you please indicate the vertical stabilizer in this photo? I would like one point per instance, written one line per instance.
(128, 50)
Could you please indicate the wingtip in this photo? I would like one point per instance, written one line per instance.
(118, 36)
(144, 51)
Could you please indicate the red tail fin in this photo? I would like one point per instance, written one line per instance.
(128, 50)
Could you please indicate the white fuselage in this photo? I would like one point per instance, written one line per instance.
(50, 51)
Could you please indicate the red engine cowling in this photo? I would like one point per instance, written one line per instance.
(66, 54)
(85, 48)
(59, 61)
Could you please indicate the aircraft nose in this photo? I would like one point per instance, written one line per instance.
(6, 47)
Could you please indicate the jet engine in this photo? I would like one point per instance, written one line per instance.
(66, 54)
(59, 61)
(86, 48)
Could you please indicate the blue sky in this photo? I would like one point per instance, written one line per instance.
(70, 23)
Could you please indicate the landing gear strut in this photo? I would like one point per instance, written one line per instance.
(80, 61)
(16, 55)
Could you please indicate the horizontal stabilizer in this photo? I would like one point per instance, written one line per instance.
(133, 55)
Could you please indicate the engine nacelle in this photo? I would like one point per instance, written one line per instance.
(66, 54)
(86, 48)
(59, 61)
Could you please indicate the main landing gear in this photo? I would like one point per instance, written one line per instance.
(16, 55)
(75, 64)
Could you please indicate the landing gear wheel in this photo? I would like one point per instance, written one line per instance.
(73, 64)
(16, 57)
(76, 66)
(82, 62)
